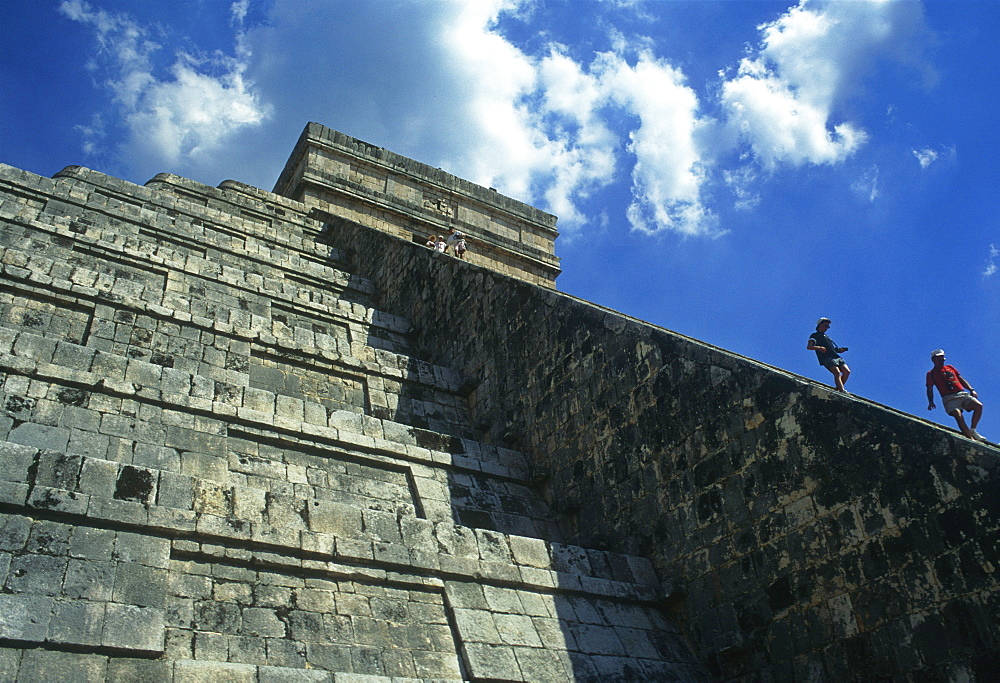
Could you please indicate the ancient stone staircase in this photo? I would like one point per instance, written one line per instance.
(221, 461)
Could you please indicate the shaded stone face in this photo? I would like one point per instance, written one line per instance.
(803, 533)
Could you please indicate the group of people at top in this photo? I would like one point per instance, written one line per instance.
(455, 240)
(956, 393)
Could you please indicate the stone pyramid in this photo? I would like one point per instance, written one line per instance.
(264, 436)
(223, 462)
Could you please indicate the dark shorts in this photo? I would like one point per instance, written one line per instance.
(831, 363)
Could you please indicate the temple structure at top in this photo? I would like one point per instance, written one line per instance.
(343, 177)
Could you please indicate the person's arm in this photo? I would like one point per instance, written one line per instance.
(811, 346)
(930, 397)
(966, 385)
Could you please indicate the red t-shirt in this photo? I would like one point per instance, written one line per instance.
(945, 379)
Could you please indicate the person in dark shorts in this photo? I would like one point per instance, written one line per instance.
(828, 353)
(956, 394)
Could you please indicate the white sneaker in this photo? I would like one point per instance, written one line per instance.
(974, 435)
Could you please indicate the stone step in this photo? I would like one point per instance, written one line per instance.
(236, 282)
(521, 606)
(221, 461)
(236, 207)
(341, 371)
(263, 442)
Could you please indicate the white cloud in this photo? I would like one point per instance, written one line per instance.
(925, 157)
(784, 97)
(546, 128)
(192, 112)
(238, 11)
(669, 174)
(541, 127)
(991, 262)
(93, 134)
(541, 132)
(867, 185)
(741, 181)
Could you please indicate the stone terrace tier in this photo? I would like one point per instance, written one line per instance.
(340, 176)
(221, 460)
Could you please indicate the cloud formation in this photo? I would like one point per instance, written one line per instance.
(783, 99)
(538, 124)
(184, 115)
(866, 186)
(542, 132)
(925, 157)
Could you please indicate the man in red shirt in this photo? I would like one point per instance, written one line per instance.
(956, 394)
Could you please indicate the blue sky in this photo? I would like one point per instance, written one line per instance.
(730, 170)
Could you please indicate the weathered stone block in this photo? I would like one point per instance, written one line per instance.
(139, 670)
(77, 622)
(194, 671)
(492, 661)
(89, 579)
(24, 617)
(46, 665)
(133, 628)
(36, 574)
(476, 626)
(15, 459)
(276, 674)
(43, 437)
(136, 584)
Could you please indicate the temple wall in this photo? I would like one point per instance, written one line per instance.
(802, 534)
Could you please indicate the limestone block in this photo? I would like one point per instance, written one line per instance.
(89, 579)
(196, 671)
(492, 661)
(138, 670)
(48, 665)
(554, 633)
(90, 543)
(476, 625)
(98, 478)
(276, 674)
(544, 665)
(36, 574)
(532, 552)
(42, 437)
(13, 493)
(77, 622)
(140, 585)
(594, 639)
(24, 617)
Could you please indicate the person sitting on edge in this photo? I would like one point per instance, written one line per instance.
(431, 242)
(956, 394)
(828, 353)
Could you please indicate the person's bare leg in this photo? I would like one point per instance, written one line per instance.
(838, 383)
(977, 412)
(960, 419)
